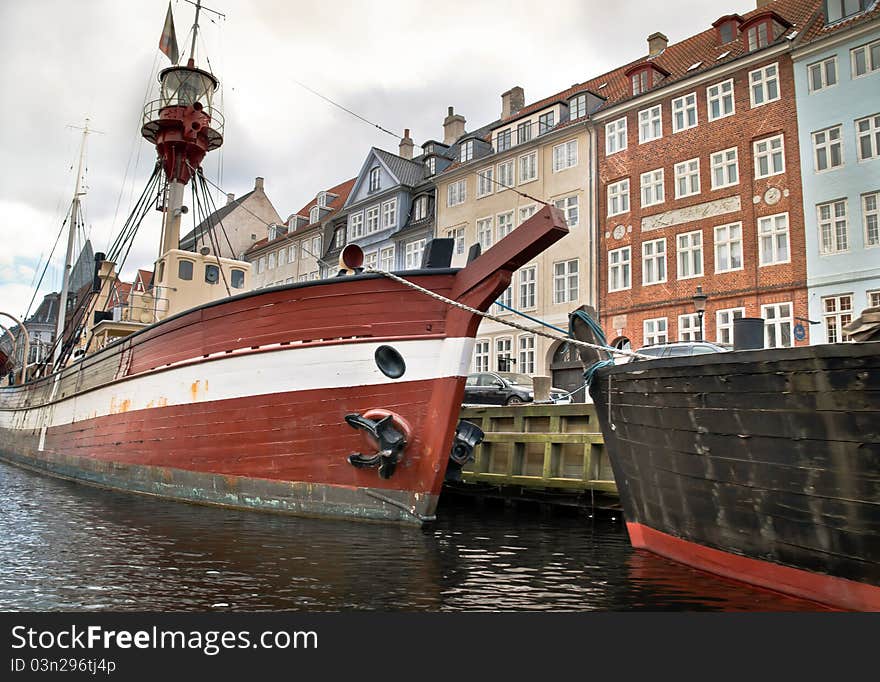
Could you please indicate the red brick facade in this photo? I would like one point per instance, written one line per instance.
(624, 312)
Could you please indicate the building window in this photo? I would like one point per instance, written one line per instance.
(524, 132)
(724, 323)
(528, 167)
(689, 327)
(618, 197)
(505, 174)
(282, 257)
(654, 261)
(725, 168)
(466, 152)
(505, 224)
(728, 247)
(261, 265)
(484, 232)
(823, 74)
(650, 124)
(615, 136)
(527, 354)
(764, 85)
(833, 228)
(413, 254)
(873, 298)
(652, 187)
(546, 122)
(727, 32)
(527, 284)
(565, 281)
(355, 226)
(502, 141)
(828, 149)
(291, 253)
(371, 260)
(871, 216)
(835, 10)
(456, 193)
(314, 275)
(484, 181)
(481, 355)
(526, 212)
(773, 238)
(503, 353)
(778, 324)
(769, 156)
(375, 179)
(431, 165)
(456, 234)
(506, 299)
(565, 155)
(569, 206)
(372, 219)
(865, 59)
(386, 259)
(760, 35)
(690, 254)
(687, 178)
(619, 269)
(272, 260)
(420, 209)
(868, 137)
(185, 268)
(684, 112)
(338, 238)
(322, 199)
(389, 214)
(655, 330)
(837, 312)
(577, 107)
(316, 246)
(719, 97)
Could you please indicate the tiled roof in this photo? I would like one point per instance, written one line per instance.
(146, 276)
(342, 190)
(817, 30)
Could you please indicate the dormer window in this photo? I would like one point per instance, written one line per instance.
(375, 179)
(546, 122)
(431, 165)
(762, 30)
(314, 214)
(835, 10)
(467, 151)
(322, 199)
(429, 149)
(758, 35)
(577, 107)
(420, 209)
(727, 28)
(273, 231)
(502, 141)
(644, 77)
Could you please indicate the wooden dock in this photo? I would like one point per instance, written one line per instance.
(546, 453)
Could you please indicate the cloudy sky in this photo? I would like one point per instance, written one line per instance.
(399, 63)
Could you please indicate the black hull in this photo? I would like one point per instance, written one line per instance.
(769, 455)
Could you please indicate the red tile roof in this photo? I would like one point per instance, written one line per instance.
(817, 30)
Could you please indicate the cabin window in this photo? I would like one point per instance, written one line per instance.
(185, 269)
(237, 279)
(161, 271)
(212, 274)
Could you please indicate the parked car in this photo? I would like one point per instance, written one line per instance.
(681, 349)
(505, 388)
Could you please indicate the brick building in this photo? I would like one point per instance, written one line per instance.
(699, 184)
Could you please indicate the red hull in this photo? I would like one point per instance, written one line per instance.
(826, 589)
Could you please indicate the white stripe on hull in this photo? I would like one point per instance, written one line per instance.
(289, 368)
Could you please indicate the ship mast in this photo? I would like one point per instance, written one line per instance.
(78, 191)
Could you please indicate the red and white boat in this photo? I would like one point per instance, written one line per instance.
(261, 400)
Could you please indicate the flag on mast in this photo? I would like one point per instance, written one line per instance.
(168, 41)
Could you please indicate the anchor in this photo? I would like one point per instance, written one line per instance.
(467, 437)
(389, 431)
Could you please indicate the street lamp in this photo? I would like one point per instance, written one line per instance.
(699, 300)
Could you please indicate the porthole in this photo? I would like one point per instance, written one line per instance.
(390, 362)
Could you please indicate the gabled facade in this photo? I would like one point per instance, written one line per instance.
(837, 81)
(699, 185)
(291, 251)
(389, 213)
(501, 175)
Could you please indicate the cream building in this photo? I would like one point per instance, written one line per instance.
(500, 176)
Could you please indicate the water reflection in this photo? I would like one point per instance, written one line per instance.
(65, 546)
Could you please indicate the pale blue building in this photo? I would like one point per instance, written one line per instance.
(837, 86)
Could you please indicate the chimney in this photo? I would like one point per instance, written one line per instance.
(453, 127)
(230, 198)
(258, 184)
(406, 145)
(657, 42)
(512, 101)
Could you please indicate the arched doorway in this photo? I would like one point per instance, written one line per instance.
(567, 371)
(621, 343)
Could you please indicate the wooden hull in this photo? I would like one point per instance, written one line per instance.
(757, 465)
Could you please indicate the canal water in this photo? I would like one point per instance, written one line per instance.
(70, 547)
